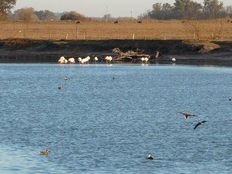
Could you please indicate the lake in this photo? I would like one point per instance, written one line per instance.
(107, 118)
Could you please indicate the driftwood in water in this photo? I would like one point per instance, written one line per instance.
(129, 55)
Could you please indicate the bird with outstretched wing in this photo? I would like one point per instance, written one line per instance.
(187, 115)
(199, 123)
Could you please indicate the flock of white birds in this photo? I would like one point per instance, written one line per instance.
(108, 59)
(71, 60)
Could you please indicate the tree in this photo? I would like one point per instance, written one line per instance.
(46, 15)
(213, 9)
(26, 15)
(229, 11)
(167, 11)
(161, 11)
(5, 6)
(72, 16)
(107, 17)
(156, 11)
(187, 9)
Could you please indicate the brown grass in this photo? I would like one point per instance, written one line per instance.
(104, 30)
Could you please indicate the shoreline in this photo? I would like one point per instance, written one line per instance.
(185, 52)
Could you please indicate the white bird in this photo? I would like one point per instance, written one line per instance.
(71, 60)
(96, 58)
(79, 59)
(146, 59)
(173, 59)
(84, 60)
(108, 59)
(62, 60)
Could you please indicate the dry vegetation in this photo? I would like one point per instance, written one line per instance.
(220, 29)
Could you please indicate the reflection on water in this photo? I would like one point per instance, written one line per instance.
(106, 120)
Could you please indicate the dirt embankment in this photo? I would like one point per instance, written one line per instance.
(186, 52)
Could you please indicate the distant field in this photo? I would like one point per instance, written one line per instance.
(104, 30)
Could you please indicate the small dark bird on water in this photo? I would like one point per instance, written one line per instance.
(149, 156)
(199, 123)
(66, 78)
(230, 98)
(44, 153)
(59, 87)
(186, 115)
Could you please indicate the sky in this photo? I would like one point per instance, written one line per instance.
(97, 8)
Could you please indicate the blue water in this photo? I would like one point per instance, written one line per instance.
(106, 119)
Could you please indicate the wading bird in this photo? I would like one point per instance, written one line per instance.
(96, 59)
(173, 59)
(71, 60)
(108, 59)
(62, 60)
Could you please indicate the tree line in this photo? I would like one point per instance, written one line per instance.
(181, 9)
(28, 14)
(188, 9)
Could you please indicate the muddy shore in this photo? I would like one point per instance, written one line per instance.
(185, 52)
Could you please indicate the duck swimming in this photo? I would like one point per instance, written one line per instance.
(149, 156)
(44, 153)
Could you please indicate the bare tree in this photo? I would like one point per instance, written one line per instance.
(213, 9)
(26, 15)
(5, 6)
(72, 16)
(46, 15)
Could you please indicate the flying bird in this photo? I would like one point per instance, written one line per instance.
(199, 123)
(186, 115)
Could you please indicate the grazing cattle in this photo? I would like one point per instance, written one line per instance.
(116, 22)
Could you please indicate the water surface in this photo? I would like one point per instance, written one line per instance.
(105, 119)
